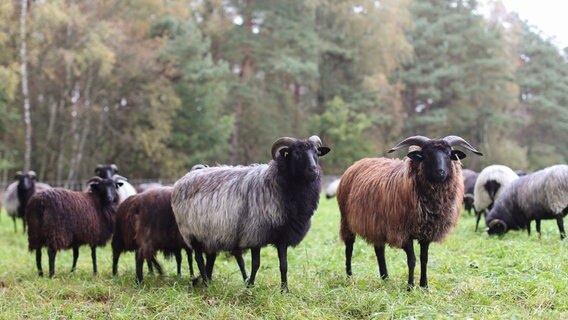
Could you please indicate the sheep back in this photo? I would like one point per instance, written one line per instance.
(385, 201)
(59, 219)
(11, 202)
(499, 173)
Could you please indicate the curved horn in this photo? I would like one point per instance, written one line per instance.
(496, 222)
(116, 177)
(279, 144)
(459, 141)
(32, 174)
(19, 174)
(316, 140)
(114, 167)
(95, 179)
(410, 141)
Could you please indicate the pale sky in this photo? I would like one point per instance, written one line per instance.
(550, 16)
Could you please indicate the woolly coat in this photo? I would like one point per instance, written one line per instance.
(229, 208)
(469, 179)
(390, 201)
(61, 219)
(539, 195)
(499, 173)
(156, 227)
(123, 238)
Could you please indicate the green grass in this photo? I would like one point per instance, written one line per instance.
(470, 276)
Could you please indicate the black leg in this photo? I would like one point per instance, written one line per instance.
(24, 224)
(94, 258)
(478, 217)
(156, 264)
(75, 257)
(200, 263)
(529, 228)
(538, 227)
(210, 264)
(283, 258)
(348, 255)
(560, 223)
(15, 227)
(38, 262)
(190, 261)
(139, 267)
(115, 257)
(51, 254)
(150, 264)
(380, 253)
(255, 264)
(178, 261)
(410, 261)
(424, 263)
(241, 263)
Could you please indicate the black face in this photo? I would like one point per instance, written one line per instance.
(436, 157)
(106, 190)
(492, 187)
(26, 181)
(468, 203)
(497, 227)
(302, 159)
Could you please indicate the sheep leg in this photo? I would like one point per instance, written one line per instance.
(211, 257)
(115, 257)
(24, 224)
(156, 264)
(15, 227)
(410, 261)
(380, 253)
(51, 254)
(560, 223)
(241, 263)
(478, 216)
(348, 254)
(139, 266)
(178, 261)
(283, 258)
(529, 228)
(538, 227)
(75, 257)
(424, 245)
(94, 258)
(200, 263)
(189, 261)
(38, 262)
(150, 264)
(255, 264)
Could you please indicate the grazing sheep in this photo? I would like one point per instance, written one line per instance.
(228, 208)
(469, 178)
(392, 201)
(61, 219)
(535, 196)
(488, 188)
(332, 189)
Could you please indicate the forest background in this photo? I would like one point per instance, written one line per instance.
(157, 86)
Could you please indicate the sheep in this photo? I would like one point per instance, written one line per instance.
(11, 202)
(109, 171)
(393, 201)
(147, 186)
(106, 171)
(27, 186)
(332, 189)
(536, 196)
(156, 229)
(488, 188)
(62, 219)
(469, 178)
(227, 208)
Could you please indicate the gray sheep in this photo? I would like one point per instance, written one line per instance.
(535, 196)
(228, 208)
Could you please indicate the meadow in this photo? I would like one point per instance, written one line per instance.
(471, 276)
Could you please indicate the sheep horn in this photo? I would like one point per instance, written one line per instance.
(493, 223)
(281, 143)
(32, 174)
(458, 141)
(410, 141)
(96, 179)
(19, 174)
(114, 167)
(316, 140)
(116, 177)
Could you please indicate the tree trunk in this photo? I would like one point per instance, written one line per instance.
(25, 90)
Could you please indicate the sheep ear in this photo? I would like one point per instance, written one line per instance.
(416, 155)
(457, 155)
(283, 152)
(322, 151)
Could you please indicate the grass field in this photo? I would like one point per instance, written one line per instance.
(470, 276)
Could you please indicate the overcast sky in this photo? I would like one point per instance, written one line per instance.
(550, 16)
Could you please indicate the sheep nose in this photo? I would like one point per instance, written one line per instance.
(441, 173)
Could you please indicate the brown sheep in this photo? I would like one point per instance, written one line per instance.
(392, 201)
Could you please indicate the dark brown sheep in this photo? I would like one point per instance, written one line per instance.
(391, 201)
(156, 229)
(62, 219)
